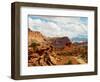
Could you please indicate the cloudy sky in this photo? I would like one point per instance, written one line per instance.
(52, 26)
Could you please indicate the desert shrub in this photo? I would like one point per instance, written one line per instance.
(68, 63)
(34, 45)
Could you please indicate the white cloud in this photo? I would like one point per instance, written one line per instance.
(59, 26)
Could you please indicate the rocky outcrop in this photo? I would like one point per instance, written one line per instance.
(47, 51)
(35, 36)
(61, 42)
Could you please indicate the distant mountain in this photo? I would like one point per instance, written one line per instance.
(79, 39)
(81, 43)
(60, 42)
